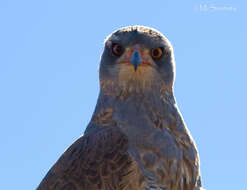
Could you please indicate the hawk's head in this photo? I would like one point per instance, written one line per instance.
(136, 59)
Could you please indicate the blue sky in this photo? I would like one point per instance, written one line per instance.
(49, 56)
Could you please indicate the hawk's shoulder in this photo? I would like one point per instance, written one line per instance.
(97, 160)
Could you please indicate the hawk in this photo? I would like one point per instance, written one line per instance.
(136, 139)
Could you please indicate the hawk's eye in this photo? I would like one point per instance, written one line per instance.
(117, 49)
(156, 53)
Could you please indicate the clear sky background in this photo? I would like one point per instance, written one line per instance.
(49, 57)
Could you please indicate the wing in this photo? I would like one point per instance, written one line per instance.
(97, 160)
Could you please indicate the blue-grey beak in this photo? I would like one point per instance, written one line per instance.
(136, 59)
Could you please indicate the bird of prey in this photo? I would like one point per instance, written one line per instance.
(136, 139)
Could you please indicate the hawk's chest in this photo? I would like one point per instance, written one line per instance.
(160, 154)
(158, 142)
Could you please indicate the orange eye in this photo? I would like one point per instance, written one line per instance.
(156, 53)
(117, 49)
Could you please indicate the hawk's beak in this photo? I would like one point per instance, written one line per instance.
(136, 59)
(136, 56)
